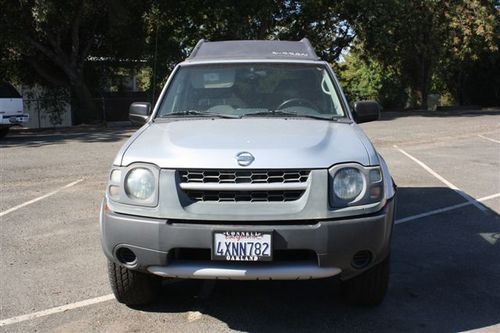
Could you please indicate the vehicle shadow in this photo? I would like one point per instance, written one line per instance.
(391, 115)
(445, 271)
(50, 137)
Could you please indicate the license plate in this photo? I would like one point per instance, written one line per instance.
(242, 246)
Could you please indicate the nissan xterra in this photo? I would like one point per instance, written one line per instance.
(251, 166)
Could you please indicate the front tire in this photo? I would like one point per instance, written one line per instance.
(369, 288)
(132, 287)
(3, 132)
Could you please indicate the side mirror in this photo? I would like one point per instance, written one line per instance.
(365, 111)
(139, 112)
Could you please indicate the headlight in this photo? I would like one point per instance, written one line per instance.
(353, 185)
(348, 183)
(140, 184)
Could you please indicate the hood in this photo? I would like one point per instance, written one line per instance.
(274, 143)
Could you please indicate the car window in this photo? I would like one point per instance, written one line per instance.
(8, 91)
(242, 89)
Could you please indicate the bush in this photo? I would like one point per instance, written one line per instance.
(365, 79)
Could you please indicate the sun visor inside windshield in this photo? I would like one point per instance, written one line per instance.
(215, 78)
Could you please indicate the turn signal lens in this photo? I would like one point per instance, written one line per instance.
(375, 192)
(116, 176)
(375, 176)
(114, 191)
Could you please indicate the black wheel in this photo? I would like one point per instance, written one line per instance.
(369, 288)
(131, 287)
(4, 131)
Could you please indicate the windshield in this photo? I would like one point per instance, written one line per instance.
(239, 90)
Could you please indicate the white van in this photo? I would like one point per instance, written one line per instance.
(11, 108)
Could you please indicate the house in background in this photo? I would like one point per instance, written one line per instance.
(117, 88)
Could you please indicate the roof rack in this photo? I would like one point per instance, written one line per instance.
(196, 48)
(253, 49)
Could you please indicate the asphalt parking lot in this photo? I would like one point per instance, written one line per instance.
(445, 251)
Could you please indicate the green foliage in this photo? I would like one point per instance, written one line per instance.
(404, 36)
(366, 79)
(404, 50)
(323, 22)
(180, 24)
(361, 80)
(427, 39)
(55, 38)
(471, 48)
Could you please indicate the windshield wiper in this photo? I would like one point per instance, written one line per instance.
(279, 113)
(198, 113)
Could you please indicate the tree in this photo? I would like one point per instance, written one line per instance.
(174, 27)
(323, 22)
(422, 38)
(405, 35)
(472, 41)
(55, 38)
(366, 79)
(405, 43)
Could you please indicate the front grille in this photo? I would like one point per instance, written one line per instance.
(244, 185)
(244, 176)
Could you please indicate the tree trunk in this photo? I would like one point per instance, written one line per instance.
(423, 93)
(86, 109)
(460, 93)
(421, 86)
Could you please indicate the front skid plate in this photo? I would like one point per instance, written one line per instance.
(296, 270)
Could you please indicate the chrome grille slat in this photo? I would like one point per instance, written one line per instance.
(244, 196)
(244, 176)
(244, 186)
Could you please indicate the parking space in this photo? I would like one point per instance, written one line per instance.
(481, 158)
(445, 251)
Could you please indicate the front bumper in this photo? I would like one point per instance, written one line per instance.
(334, 241)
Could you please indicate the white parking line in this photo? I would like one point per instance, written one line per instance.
(443, 180)
(10, 210)
(489, 139)
(18, 319)
(444, 209)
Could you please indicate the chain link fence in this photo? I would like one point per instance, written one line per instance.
(47, 112)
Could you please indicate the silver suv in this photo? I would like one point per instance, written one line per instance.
(250, 167)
